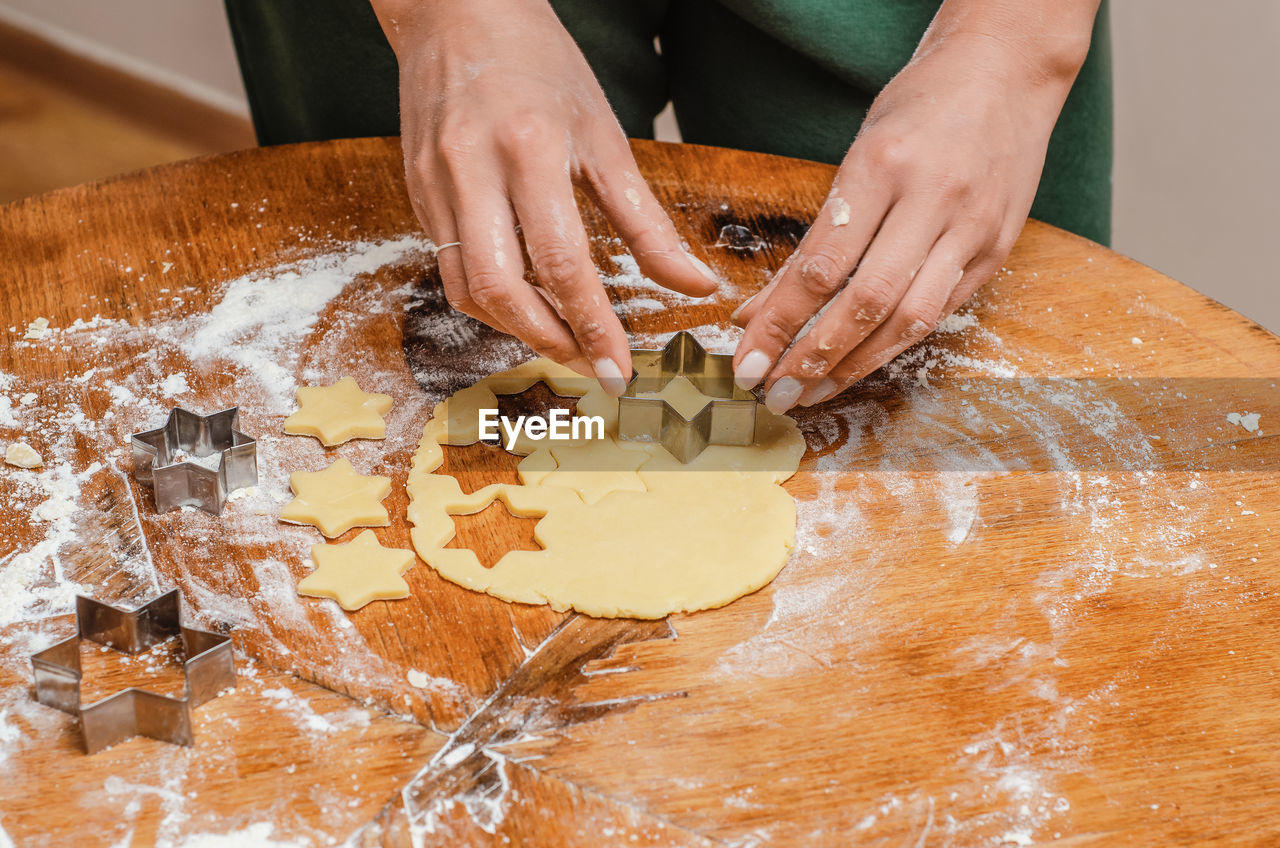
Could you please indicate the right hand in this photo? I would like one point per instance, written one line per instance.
(500, 118)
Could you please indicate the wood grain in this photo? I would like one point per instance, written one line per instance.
(1033, 597)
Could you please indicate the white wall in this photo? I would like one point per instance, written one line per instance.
(1197, 179)
(185, 44)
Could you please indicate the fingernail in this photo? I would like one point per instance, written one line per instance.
(610, 376)
(752, 369)
(783, 395)
(704, 269)
(733, 316)
(817, 393)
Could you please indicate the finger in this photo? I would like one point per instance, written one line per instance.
(807, 282)
(752, 305)
(937, 287)
(557, 245)
(647, 229)
(906, 240)
(494, 267)
(434, 212)
(980, 271)
(840, 213)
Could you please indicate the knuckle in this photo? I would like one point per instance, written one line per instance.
(920, 318)
(814, 363)
(888, 153)
(775, 335)
(820, 274)
(592, 335)
(524, 131)
(952, 188)
(874, 298)
(486, 288)
(1004, 242)
(557, 263)
(456, 143)
(553, 347)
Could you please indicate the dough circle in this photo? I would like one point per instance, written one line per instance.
(684, 538)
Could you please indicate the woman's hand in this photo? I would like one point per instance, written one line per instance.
(501, 117)
(925, 207)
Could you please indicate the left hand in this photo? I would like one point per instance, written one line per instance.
(925, 208)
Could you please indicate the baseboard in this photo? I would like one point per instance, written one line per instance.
(140, 100)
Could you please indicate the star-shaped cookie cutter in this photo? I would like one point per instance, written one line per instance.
(178, 481)
(728, 419)
(209, 667)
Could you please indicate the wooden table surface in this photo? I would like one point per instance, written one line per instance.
(1033, 598)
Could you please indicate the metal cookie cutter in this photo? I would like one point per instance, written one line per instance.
(179, 481)
(209, 667)
(728, 419)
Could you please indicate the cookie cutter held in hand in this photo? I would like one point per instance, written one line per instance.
(729, 418)
(179, 482)
(209, 668)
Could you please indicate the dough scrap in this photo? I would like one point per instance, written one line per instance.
(37, 329)
(337, 499)
(23, 455)
(339, 413)
(358, 572)
(690, 537)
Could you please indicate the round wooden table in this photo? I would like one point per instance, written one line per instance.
(1033, 597)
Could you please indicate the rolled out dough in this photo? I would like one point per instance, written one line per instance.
(639, 539)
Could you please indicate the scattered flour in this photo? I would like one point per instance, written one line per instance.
(32, 584)
(956, 322)
(262, 320)
(254, 836)
(175, 384)
(839, 212)
(645, 294)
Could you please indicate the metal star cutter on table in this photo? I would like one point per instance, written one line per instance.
(163, 458)
(209, 668)
(729, 418)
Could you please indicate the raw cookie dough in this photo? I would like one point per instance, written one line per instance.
(687, 537)
(37, 329)
(338, 413)
(22, 455)
(681, 395)
(357, 573)
(337, 499)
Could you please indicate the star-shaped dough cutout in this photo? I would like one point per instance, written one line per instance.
(595, 468)
(357, 573)
(681, 395)
(337, 499)
(339, 413)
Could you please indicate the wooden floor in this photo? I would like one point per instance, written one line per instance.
(50, 138)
